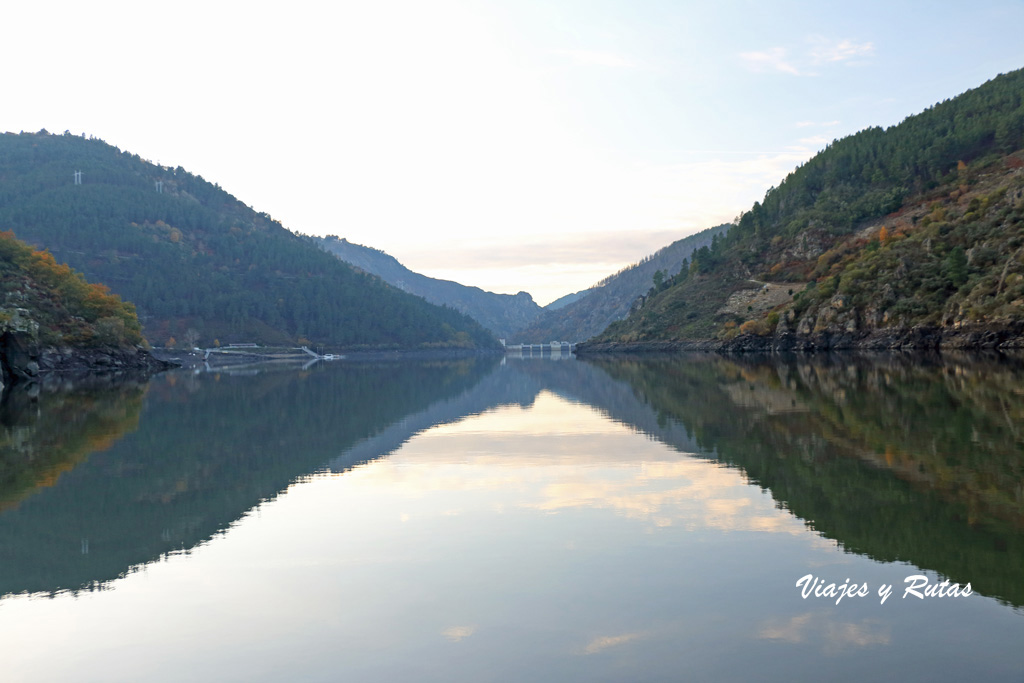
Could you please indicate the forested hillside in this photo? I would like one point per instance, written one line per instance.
(882, 235)
(611, 299)
(196, 262)
(500, 313)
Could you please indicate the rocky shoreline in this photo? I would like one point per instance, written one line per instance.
(979, 337)
(23, 362)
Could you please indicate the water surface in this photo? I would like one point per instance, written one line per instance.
(476, 520)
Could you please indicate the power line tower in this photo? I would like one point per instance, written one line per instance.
(78, 177)
(160, 187)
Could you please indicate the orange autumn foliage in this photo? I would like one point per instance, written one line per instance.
(91, 302)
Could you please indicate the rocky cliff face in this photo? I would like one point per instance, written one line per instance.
(23, 358)
(54, 322)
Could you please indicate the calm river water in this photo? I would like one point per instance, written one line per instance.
(520, 520)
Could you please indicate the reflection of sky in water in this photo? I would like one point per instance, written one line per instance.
(546, 543)
(560, 455)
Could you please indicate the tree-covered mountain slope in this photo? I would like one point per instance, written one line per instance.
(913, 235)
(500, 313)
(611, 299)
(192, 257)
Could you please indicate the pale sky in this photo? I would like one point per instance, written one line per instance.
(534, 145)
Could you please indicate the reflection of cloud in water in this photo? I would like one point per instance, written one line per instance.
(457, 633)
(790, 631)
(863, 634)
(549, 415)
(834, 636)
(693, 493)
(567, 456)
(605, 642)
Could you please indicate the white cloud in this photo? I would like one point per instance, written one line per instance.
(816, 141)
(824, 50)
(816, 124)
(772, 59)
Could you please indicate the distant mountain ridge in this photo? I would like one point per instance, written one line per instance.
(502, 314)
(589, 312)
(565, 300)
(199, 265)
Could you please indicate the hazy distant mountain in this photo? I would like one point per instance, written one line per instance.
(563, 301)
(500, 313)
(197, 263)
(582, 315)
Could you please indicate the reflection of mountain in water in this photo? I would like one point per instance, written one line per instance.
(497, 388)
(897, 460)
(211, 447)
(207, 449)
(44, 434)
(518, 383)
(586, 383)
